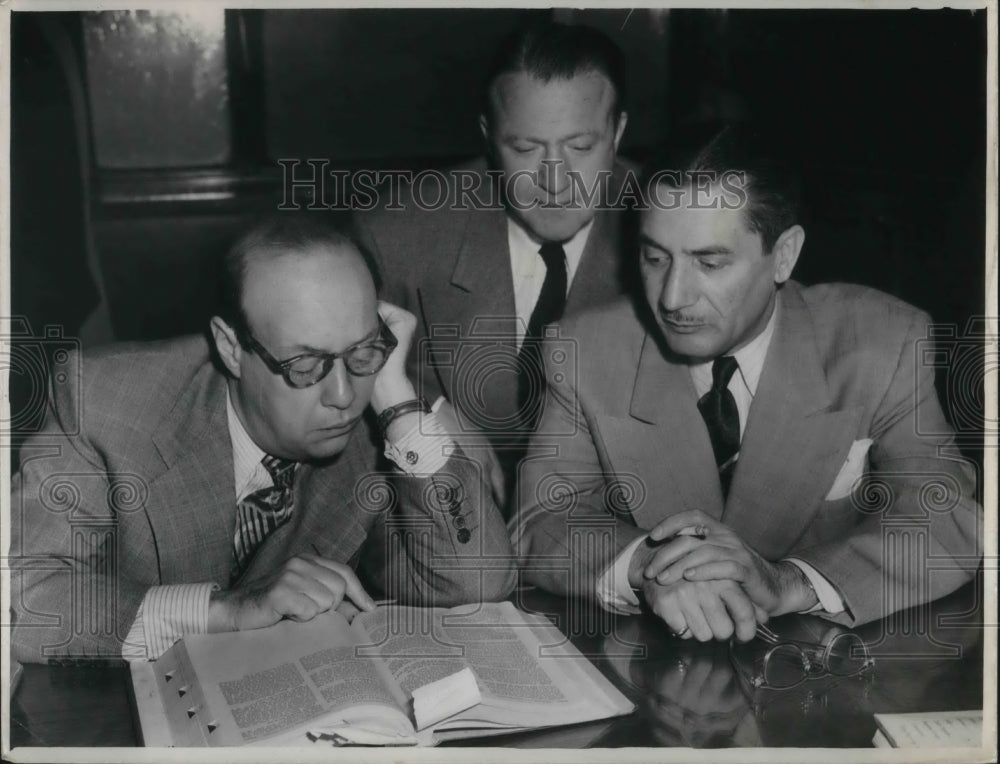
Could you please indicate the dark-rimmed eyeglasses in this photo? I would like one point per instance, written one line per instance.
(788, 662)
(361, 360)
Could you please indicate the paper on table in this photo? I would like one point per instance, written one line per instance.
(438, 700)
(347, 735)
(933, 729)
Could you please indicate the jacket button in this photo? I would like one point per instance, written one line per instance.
(464, 536)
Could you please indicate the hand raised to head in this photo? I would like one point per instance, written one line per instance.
(392, 386)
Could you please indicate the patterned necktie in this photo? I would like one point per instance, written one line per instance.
(549, 308)
(718, 408)
(262, 512)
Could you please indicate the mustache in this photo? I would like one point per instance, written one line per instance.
(679, 318)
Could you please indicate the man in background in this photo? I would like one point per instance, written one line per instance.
(747, 446)
(170, 494)
(538, 238)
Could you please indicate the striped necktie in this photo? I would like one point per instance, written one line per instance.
(262, 512)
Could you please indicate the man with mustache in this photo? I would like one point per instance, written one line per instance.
(746, 446)
(168, 494)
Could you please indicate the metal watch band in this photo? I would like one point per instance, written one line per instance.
(406, 407)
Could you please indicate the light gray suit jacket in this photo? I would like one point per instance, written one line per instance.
(130, 485)
(844, 366)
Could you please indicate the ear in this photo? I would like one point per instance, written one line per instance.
(620, 129)
(230, 350)
(786, 253)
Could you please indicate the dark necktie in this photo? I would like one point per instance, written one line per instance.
(262, 512)
(548, 309)
(718, 408)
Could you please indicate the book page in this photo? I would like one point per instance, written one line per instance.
(521, 685)
(267, 682)
(480, 639)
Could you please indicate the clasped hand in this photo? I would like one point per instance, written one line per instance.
(705, 582)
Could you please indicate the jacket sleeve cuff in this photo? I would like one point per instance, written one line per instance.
(828, 598)
(613, 590)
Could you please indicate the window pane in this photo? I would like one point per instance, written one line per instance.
(158, 87)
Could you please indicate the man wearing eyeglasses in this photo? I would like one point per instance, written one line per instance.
(169, 494)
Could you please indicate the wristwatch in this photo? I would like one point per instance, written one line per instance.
(406, 407)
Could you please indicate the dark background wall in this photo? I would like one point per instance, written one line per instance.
(141, 142)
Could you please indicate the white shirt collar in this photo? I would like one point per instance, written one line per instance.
(750, 358)
(247, 468)
(524, 250)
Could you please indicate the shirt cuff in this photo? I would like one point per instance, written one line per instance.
(613, 590)
(166, 614)
(424, 449)
(828, 598)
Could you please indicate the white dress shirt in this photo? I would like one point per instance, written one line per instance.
(168, 612)
(613, 590)
(528, 268)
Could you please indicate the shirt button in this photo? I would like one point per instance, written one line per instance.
(411, 457)
(464, 536)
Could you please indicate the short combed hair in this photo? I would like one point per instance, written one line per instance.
(772, 186)
(549, 50)
(275, 236)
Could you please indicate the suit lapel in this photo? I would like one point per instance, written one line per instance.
(603, 273)
(598, 273)
(482, 265)
(192, 505)
(477, 302)
(664, 396)
(793, 443)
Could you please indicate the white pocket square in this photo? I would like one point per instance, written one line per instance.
(853, 469)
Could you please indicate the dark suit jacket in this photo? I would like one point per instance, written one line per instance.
(130, 485)
(451, 267)
(845, 364)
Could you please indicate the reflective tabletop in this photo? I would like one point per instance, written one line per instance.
(686, 693)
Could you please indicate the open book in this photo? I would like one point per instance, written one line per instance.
(496, 669)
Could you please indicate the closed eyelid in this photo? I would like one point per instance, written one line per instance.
(649, 249)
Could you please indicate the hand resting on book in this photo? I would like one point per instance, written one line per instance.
(301, 589)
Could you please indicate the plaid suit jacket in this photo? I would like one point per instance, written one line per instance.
(844, 367)
(129, 485)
